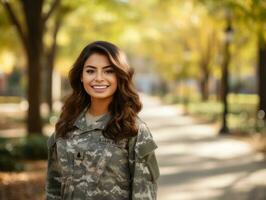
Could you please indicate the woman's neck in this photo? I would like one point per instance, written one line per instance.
(98, 107)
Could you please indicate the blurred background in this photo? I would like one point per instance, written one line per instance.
(199, 64)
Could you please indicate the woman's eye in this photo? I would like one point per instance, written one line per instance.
(109, 71)
(89, 71)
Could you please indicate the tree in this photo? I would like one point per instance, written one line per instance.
(204, 46)
(31, 36)
(50, 51)
(252, 14)
(261, 71)
(49, 55)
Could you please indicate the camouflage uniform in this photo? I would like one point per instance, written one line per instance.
(88, 166)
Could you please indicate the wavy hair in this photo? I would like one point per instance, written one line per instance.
(125, 104)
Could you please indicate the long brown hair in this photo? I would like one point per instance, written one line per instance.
(125, 104)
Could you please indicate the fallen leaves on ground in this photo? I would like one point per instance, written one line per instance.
(25, 185)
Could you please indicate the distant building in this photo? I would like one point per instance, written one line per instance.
(148, 83)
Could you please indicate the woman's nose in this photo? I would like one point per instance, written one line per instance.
(99, 76)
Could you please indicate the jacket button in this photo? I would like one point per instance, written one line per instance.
(79, 155)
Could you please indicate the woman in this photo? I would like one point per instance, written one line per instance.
(101, 149)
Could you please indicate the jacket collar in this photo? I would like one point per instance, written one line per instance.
(101, 123)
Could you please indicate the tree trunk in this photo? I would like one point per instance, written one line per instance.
(49, 80)
(204, 83)
(34, 125)
(205, 59)
(262, 74)
(50, 62)
(48, 74)
(31, 37)
(34, 47)
(218, 90)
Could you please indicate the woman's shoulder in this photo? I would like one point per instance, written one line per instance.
(145, 143)
(51, 140)
(143, 129)
(140, 122)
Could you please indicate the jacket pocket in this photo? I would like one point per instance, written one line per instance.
(153, 167)
(145, 149)
(66, 192)
(146, 153)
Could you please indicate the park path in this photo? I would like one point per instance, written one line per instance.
(196, 164)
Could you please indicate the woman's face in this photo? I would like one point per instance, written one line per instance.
(99, 78)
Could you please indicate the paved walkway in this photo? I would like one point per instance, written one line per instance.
(196, 164)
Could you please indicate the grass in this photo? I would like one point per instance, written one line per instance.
(242, 115)
(14, 150)
(10, 99)
(242, 112)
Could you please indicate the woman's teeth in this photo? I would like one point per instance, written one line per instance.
(100, 86)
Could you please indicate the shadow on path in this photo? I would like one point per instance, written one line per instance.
(197, 164)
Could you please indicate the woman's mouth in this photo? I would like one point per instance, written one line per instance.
(99, 88)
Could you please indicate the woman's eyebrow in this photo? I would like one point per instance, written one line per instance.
(91, 66)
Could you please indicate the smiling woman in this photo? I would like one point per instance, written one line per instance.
(101, 148)
(99, 80)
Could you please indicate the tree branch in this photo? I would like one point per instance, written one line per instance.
(52, 9)
(14, 20)
(52, 49)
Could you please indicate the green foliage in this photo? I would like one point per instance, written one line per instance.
(8, 162)
(242, 116)
(208, 110)
(14, 150)
(32, 147)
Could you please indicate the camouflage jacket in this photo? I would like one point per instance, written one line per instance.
(88, 166)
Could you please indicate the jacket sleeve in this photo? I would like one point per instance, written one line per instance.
(146, 172)
(53, 179)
